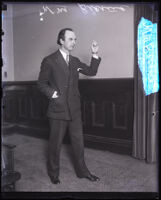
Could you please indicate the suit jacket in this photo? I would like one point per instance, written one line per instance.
(56, 75)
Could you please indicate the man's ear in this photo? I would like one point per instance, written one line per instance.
(61, 41)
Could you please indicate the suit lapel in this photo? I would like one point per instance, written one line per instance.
(61, 62)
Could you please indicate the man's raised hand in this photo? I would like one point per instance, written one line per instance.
(94, 47)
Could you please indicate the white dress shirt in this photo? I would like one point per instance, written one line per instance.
(63, 54)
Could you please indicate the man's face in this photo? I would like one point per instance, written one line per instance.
(69, 40)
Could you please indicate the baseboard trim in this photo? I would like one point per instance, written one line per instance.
(33, 131)
(102, 140)
(120, 146)
(111, 144)
(9, 129)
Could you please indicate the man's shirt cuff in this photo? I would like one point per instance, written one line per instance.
(95, 56)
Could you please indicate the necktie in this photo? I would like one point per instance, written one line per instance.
(67, 59)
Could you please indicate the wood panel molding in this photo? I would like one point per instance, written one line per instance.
(107, 110)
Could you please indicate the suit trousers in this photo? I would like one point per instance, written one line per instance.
(57, 132)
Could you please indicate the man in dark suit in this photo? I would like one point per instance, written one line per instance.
(58, 80)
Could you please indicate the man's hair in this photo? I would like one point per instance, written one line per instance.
(61, 34)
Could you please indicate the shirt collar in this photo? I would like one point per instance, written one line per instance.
(63, 54)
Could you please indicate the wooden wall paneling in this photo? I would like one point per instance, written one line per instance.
(119, 116)
(107, 111)
(10, 107)
(98, 113)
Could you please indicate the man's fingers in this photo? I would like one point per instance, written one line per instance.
(94, 43)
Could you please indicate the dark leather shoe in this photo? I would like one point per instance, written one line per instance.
(91, 177)
(55, 180)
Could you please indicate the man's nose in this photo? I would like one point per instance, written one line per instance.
(74, 42)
